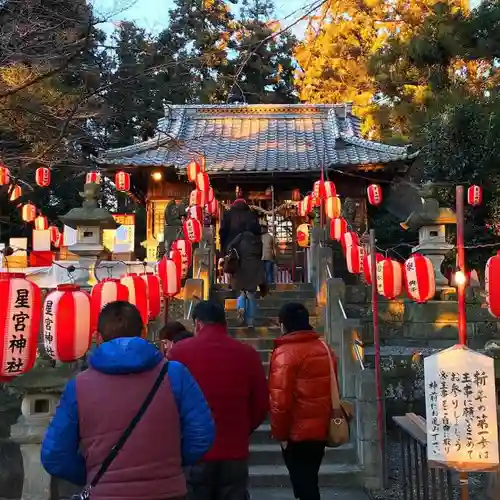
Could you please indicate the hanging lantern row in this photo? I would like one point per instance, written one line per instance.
(374, 192)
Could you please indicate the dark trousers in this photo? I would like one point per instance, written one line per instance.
(303, 460)
(218, 480)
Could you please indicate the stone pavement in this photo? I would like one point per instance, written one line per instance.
(326, 494)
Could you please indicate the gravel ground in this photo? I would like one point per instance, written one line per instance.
(395, 490)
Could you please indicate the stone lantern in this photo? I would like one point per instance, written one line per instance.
(89, 221)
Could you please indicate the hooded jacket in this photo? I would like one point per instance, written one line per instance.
(96, 407)
(236, 220)
(299, 388)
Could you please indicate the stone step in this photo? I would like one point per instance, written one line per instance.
(270, 454)
(278, 287)
(338, 475)
(261, 320)
(274, 303)
(267, 331)
(263, 311)
(258, 343)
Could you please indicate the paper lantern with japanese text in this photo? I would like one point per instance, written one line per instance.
(212, 208)
(122, 181)
(349, 238)
(197, 197)
(186, 249)
(153, 294)
(374, 192)
(193, 230)
(338, 226)
(41, 223)
(202, 181)
(389, 278)
(28, 212)
(333, 207)
(420, 279)
(137, 294)
(367, 266)
(195, 212)
(176, 256)
(42, 176)
(20, 315)
(354, 259)
(93, 177)
(106, 291)
(329, 189)
(491, 280)
(475, 195)
(169, 277)
(4, 175)
(303, 235)
(306, 205)
(66, 323)
(16, 192)
(193, 169)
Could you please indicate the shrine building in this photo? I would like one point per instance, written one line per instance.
(274, 153)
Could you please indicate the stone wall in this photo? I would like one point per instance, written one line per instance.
(411, 331)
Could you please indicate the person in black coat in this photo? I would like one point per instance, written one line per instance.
(235, 221)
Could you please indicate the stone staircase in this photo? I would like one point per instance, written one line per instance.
(340, 466)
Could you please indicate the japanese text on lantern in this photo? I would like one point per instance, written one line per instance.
(410, 268)
(461, 409)
(48, 327)
(20, 316)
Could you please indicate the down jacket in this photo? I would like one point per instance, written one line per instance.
(299, 388)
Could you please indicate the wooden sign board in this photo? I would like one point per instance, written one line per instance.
(461, 410)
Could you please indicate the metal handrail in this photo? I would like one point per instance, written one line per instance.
(191, 302)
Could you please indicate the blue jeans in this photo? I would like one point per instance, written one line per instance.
(248, 302)
(269, 271)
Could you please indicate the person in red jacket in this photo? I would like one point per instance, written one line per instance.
(300, 398)
(232, 378)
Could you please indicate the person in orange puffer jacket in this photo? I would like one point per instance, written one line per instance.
(300, 398)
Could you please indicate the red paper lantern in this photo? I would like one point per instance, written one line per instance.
(16, 193)
(193, 169)
(349, 238)
(54, 234)
(137, 294)
(108, 290)
(42, 176)
(374, 192)
(20, 314)
(186, 250)
(66, 323)
(176, 256)
(41, 223)
(28, 212)
(295, 196)
(122, 181)
(420, 279)
(354, 258)
(367, 266)
(491, 279)
(212, 208)
(338, 226)
(307, 205)
(333, 207)
(329, 189)
(210, 195)
(475, 195)
(169, 277)
(4, 175)
(202, 181)
(318, 191)
(58, 241)
(197, 197)
(93, 177)
(389, 278)
(302, 236)
(195, 212)
(193, 230)
(153, 294)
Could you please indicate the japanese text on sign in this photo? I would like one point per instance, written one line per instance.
(48, 327)
(461, 409)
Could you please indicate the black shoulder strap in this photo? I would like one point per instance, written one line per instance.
(128, 431)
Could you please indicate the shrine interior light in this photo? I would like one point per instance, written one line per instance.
(157, 176)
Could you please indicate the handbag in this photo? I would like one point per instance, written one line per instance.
(85, 494)
(231, 262)
(342, 411)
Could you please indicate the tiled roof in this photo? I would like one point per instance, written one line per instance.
(259, 138)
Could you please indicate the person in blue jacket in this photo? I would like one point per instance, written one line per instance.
(97, 406)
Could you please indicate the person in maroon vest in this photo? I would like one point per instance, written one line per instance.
(175, 430)
(233, 380)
